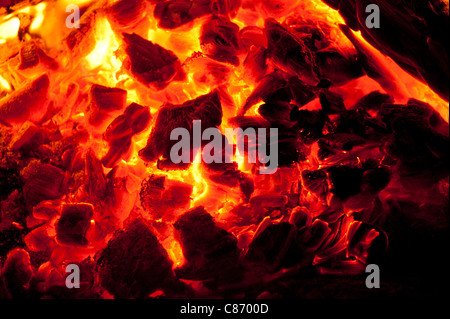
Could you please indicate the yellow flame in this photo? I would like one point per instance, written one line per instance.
(200, 187)
(76, 2)
(103, 53)
(39, 19)
(414, 87)
(9, 29)
(4, 84)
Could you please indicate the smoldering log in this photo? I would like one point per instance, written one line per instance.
(374, 67)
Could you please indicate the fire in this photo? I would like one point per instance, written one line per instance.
(102, 56)
(9, 29)
(92, 99)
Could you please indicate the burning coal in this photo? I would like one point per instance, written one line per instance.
(347, 165)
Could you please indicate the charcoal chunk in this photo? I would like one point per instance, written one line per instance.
(73, 224)
(310, 124)
(17, 272)
(376, 179)
(332, 103)
(338, 68)
(255, 64)
(161, 196)
(27, 103)
(373, 101)
(103, 101)
(149, 63)
(290, 52)
(126, 14)
(346, 180)
(81, 40)
(278, 87)
(172, 14)
(94, 178)
(273, 84)
(42, 182)
(175, 13)
(367, 243)
(265, 248)
(340, 142)
(219, 40)
(316, 182)
(134, 264)
(9, 181)
(206, 108)
(120, 132)
(210, 251)
(28, 55)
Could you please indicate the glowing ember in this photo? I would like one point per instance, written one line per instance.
(87, 178)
